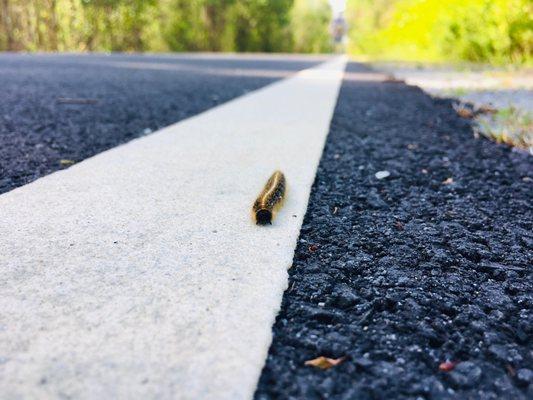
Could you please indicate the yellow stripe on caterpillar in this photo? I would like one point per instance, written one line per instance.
(270, 199)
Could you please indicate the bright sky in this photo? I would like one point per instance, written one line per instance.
(337, 6)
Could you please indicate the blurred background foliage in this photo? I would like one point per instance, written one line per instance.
(165, 25)
(491, 31)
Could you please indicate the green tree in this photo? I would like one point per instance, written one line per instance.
(163, 25)
(310, 21)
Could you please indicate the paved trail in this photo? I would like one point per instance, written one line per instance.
(138, 273)
(398, 275)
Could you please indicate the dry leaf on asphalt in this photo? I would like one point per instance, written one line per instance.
(448, 181)
(324, 362)
(463, 110)
(447, 366)
(66, 163)
(486, 109)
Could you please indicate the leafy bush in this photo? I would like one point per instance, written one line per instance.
(495, 31)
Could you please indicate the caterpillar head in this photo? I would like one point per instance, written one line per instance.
(263, 217)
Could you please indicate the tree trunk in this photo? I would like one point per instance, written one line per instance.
(7, 25)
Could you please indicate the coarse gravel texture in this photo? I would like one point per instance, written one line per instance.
(482, 87)
(501, 99)
(69, 107)
(400, 274)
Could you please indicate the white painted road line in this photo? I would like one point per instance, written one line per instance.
(138, 273)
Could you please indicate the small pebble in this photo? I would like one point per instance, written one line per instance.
(382, 174)
(363, 362)
(524, 376)
(465, 375)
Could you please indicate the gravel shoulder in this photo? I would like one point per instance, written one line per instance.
(507, 93)
(58, 109)
(401, 274)
(498, 87)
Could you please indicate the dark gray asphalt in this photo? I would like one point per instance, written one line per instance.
(402, 274)
(70, 107)
(397, 275)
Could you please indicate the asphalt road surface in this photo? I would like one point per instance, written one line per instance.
(400, 274)
(70, 107)
(430, 264)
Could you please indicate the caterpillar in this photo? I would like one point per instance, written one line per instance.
(270, 199)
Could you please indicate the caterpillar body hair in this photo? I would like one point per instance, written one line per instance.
(270, 199)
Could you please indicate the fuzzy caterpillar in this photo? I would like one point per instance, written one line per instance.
(270, 199)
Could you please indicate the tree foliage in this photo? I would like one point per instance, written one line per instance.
(307, 22)
(496, 31)
(164, 25)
